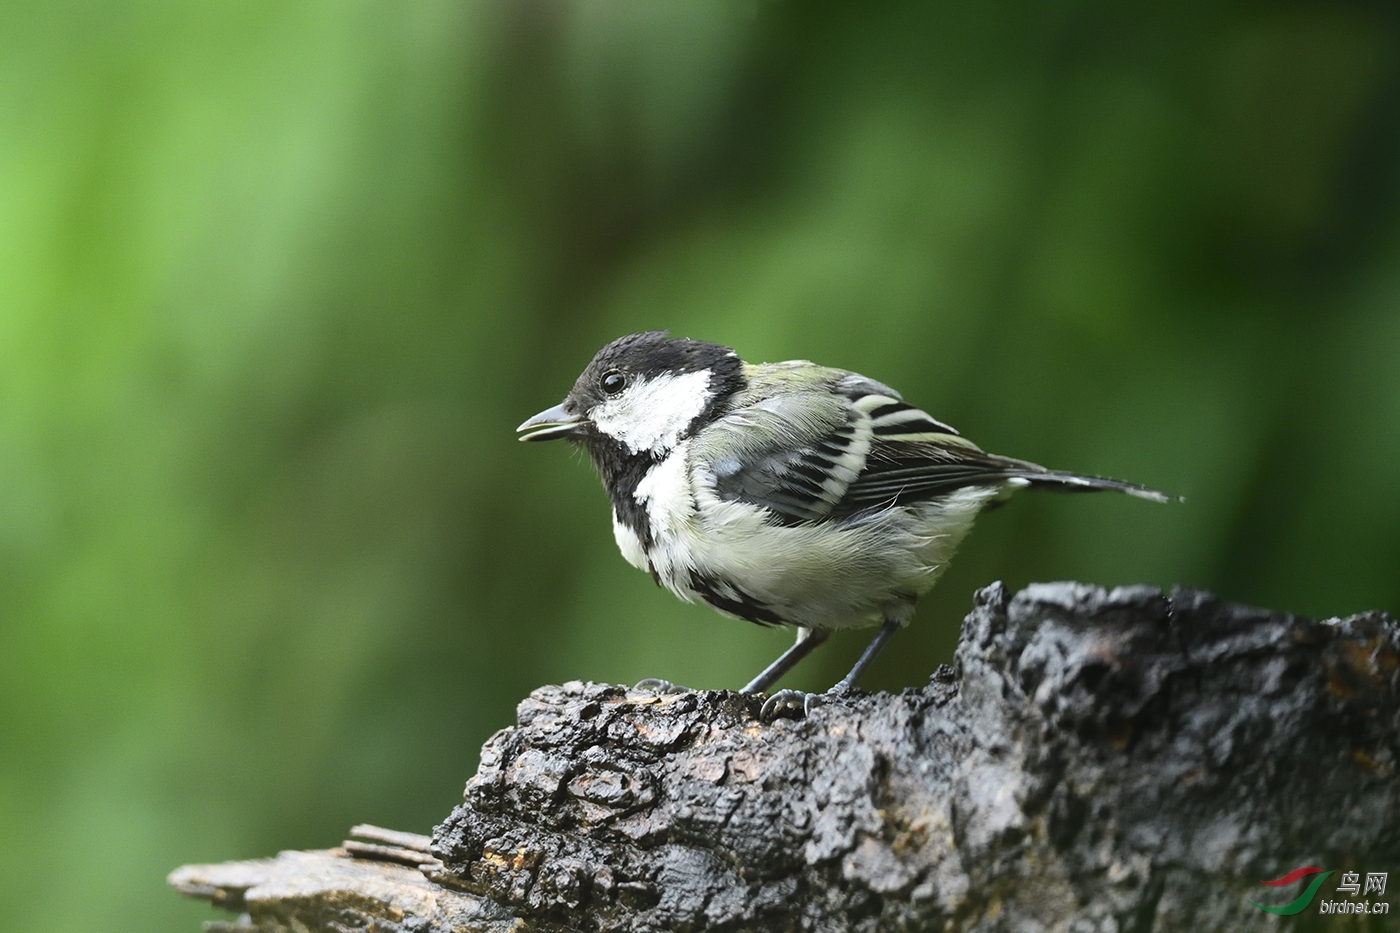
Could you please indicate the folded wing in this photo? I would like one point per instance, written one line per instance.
(839, 445)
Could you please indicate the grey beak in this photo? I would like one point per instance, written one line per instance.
(551, 424)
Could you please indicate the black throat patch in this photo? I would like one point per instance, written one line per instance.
(621, 472)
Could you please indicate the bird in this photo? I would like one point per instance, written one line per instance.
(785, 493)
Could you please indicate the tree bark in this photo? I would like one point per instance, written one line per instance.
(1124, 761)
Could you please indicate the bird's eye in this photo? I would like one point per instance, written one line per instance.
(612, 382)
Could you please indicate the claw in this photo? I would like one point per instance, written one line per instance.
(657, 685)
(785, 701)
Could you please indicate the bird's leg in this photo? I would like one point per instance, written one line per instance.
(849, 681)
(796, 699)
(807, 639)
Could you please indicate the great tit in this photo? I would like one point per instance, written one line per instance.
(782, 493)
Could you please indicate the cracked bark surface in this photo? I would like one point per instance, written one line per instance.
(1098, 760)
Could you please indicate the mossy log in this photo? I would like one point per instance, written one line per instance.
(1124, 760)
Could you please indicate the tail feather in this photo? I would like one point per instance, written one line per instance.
(1075, 482)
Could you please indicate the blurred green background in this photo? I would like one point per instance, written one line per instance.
(277, 281)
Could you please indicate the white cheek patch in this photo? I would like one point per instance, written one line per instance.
(653, 413)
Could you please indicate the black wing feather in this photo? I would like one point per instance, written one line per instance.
(904, 472)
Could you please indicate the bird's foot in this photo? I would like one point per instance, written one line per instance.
(788, 701)
(657, 685)
(791, 701)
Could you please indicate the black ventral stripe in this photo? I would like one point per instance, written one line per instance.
(739, 604)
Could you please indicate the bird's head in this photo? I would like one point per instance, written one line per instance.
(644, 392)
